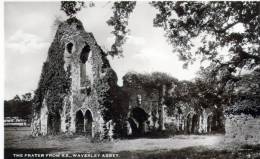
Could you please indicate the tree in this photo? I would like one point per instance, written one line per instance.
(119, 20)
(27, 97)
(246, 95)
(216, 24)
(224, 33)
(17, 107)
(213, 23)
(16, 98)
(72, 7)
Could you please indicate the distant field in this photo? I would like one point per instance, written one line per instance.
(18, 140)
(17, 132)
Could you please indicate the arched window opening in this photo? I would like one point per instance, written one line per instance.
(88, 123)
(79, 122)
(69, 47)
(84, 53)
(188, 124)
(84, 56)
(138, 121)
(209, 124)
(195, 124)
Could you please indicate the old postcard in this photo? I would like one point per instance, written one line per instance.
(132, 79)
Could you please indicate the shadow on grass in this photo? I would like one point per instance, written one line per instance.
(153, 135)
(191, 153)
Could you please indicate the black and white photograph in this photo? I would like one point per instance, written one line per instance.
(131, 79)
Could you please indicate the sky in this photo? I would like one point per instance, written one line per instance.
(29, 30)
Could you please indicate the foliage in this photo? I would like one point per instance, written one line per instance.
(54, 81)
(248, 87)
(119, 20)
(27, 96)
(215, 24)
(21, 107)
(246, 95)
(72, 7)
(112, 102)
(247, 106)
(154, 80)
(236, 97)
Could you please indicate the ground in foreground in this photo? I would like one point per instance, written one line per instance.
(19, 141)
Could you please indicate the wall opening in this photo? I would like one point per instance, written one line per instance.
(217, 123)
(188, 124)
(138, 121)
(209, 124)
(84, 56)
(69, 47)
(79, 122)
(84, 53)
(195, 124)
(88, 123)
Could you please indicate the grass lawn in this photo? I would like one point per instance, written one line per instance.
(19, 141)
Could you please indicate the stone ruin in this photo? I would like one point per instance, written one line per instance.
(86, 66)
(78, 94)
(148, 112)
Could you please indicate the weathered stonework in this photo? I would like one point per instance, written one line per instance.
(78, 94)
(144, 110)
(190, 121)
(81, 110)
(242, 129)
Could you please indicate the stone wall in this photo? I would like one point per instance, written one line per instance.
(190, 121)
(242, 129)
(147, 103)
(90, 79)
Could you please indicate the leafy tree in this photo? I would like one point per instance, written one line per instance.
(17, 107)
(153, 80)
(27, 97)
(72, 7)
(17, 98)
(215, 24)
(224, 33)
(119, 20)
(246, 94)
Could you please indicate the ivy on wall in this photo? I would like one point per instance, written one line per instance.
(54, 81)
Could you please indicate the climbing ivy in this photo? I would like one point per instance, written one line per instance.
(54, 81)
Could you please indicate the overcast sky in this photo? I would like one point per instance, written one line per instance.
(29, 32)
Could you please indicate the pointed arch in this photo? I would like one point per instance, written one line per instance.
(88, 122)
(79, 122)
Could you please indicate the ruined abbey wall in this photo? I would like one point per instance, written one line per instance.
(242, 128)
(89, 76)
(190, 121)
(78, 94)
(144, 109)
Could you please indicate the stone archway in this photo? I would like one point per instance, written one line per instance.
(53, 124)
(188, 123)
(209, 124)
(79, 122)
(195, 124)
(215, 123)
(192, 123)
(88, 122)
(137, 120)
(217, 126)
